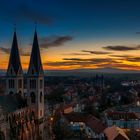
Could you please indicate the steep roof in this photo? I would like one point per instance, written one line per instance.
(14, 60)
(11, 103)
(35, 60)
(113, 132)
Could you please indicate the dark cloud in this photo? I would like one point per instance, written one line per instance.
(127, 58)
(75, 54)
(138, 33)
(54, 41)
(93, 62)
(96, 52)
(21, 51)
(28, 12)
(74, 59)
(133, 59)
(81, 62)
(120, 56)
(24, 53)
(44, 42)
(121, 48)
(5, 50)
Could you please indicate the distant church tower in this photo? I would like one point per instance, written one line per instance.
(35, 80)
(14, 75)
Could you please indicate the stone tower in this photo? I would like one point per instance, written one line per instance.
(35, 81)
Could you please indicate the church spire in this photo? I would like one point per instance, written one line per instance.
(14, 61)
(35, 66)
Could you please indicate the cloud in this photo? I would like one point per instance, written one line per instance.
(75, 54)
(24, 52)
(133, 59)
(34, 15)
(44, 42)
(81, 62)
(54, 41)
(21, 51)
(91, 63)
(74, 59)
(127, 58)
(121, 56)
(138, 33)
(5, 50)
(96, 52)
(121, 48)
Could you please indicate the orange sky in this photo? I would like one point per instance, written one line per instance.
(70, 56)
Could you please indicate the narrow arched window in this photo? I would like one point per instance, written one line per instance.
(33, 97)
(41, 96)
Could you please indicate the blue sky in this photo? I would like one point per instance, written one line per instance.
(91, 22)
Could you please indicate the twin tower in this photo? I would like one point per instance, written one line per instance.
(15, 79)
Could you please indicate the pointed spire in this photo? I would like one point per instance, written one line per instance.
(14, 60)
(35, 60)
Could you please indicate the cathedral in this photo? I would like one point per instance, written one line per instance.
(22, 106)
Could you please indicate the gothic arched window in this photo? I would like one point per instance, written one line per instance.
(41, 84)
(33, 98)
(41, 96)
(32, 84)
(11, 83)
(20, 83)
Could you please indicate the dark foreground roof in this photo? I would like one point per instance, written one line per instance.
(11, 103)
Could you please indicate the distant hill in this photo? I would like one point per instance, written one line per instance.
(85, 72)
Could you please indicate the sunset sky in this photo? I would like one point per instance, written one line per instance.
(73, 34)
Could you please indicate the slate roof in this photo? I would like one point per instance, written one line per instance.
(11, 103)
(14, 55)
(35, 59)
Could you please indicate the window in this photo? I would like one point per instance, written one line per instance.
(33, 98)
(11, 83)
(20, 83)
(41, 83)
(40, 112)
(41, 97)
(32, 84)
